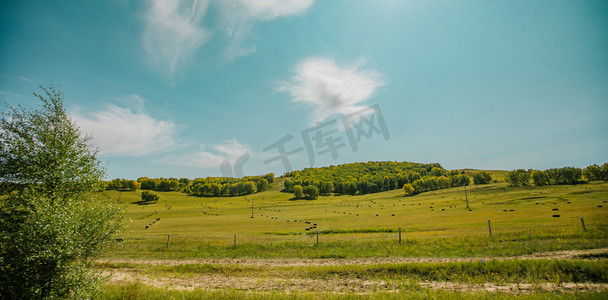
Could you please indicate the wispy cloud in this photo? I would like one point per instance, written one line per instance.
(239, 17)
(331, 89)
(173, 32)
(27, 79)
(127, 131)
(176, 29)
(212, 157)
(10, 93)
(272, 9)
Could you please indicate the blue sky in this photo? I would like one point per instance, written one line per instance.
(178, 88)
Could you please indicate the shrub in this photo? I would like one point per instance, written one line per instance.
(149, 197)
(408, 189)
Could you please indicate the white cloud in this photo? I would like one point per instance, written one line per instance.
(127, 131)
(272, 9)
(229, 149)
(331, 89)
(173, 32)
(130, 131)
(174, 29)
(239, 17)
(27, 79)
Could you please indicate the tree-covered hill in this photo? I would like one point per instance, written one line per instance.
(371, 177)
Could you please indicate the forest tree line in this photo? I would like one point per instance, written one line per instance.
(204, 187)
(557, 176)
(374, 177)
(360, 179)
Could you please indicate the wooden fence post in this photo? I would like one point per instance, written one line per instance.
(399, 235)
(317, 238)
(490, 227)
(168, 240)
(583, 223)
(466, 198)
(235, 240)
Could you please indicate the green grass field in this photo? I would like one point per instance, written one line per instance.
(434, 225)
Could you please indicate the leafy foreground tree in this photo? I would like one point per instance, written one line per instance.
(51, 224)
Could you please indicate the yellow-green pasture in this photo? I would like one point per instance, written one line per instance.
(432, 224)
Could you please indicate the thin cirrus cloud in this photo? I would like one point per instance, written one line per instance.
(331, 89)
(175, 31)
(239, 17)
(127, 131)
(271, 9)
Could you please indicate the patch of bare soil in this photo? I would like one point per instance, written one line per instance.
(338, 285)
(219, 281)
(569, 254)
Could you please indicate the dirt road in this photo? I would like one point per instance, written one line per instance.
(337, 284)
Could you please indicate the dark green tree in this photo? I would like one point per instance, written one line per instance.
(147, 183)
(311, 192)
(593, 172)
(326, 187)
(298, 191)
(249, 188)
(269, 177)
(51, 222)
(518, 177)
(350, 188)
(262, 185)
(184, 183)
(539, 178)
(565, 175)
(438, 172)
(288, 186)
(216, 189)
(482, 177)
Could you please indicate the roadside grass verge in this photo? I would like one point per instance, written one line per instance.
(500, 272)
(411, 291)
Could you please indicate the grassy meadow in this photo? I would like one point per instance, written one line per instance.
(433, 224)
(452, 254)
